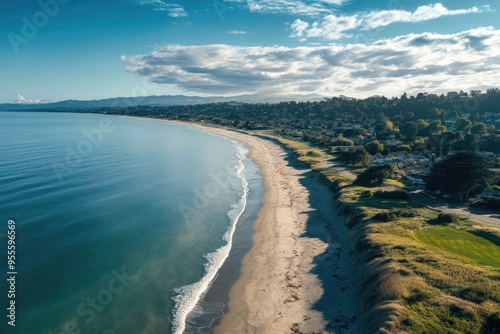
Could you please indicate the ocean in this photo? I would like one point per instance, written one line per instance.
(121, 224)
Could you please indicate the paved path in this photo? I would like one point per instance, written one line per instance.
(341, 170)
(486, 218)
(422, 198)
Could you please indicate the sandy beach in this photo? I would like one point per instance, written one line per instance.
(295, 278)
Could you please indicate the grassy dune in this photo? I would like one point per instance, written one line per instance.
(415, 276)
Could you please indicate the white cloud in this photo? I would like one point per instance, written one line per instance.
(22, 100)
(291, 7)
(238, 32)
(415, 62)
(172, 9)
(335, 27)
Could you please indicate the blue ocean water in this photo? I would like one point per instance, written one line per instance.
(121, 223)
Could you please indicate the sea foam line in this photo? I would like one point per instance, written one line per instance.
(189, 295)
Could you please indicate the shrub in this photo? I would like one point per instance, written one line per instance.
(313, 154)
(342, 141)
(355, 157)
(490, 204)
(395, 194)
(473, 295)
(394, 215)
(445, 219)
(448, 218)
(492, 324)
(375, 175)
(402, 148)
(366, 194)
(374, 147)
(407, 213)
(385, 217)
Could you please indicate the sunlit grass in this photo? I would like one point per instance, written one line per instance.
(439, 279)
(463, 243)
(395, 183)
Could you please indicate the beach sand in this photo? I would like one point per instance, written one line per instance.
(296, 277)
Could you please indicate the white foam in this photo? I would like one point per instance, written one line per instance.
(189, 295)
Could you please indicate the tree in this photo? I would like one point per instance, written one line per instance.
(384, 128)
(342, 141)
(411, 129)
(436, 127)
(422, 126)
(479, 129)
(441, 143)
(492, 144)
(357, 156)
(469, 143)
(436, 112)
(475, 118)
(463, 124)
(374, 147)
(459, 175)
(375, 175)
(349, 133)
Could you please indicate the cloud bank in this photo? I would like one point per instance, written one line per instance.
(172, 9)
(237, 32)
(415, 62)
(290, 7)
(333, 27)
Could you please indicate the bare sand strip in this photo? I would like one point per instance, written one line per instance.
(296, 277)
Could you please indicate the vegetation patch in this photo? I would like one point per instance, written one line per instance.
(479, 250)
(487, 204)
(445, 219)
(375, 175)
(416, 277)
(395, 214)
(395, 194)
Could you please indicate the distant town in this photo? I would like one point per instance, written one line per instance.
(410, 132)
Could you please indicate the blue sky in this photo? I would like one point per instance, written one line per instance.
(93, 49)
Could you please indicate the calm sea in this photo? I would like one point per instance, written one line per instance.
(121, 223)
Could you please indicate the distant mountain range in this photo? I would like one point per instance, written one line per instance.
(166, 100)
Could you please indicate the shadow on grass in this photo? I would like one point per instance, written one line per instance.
(484, 212)
(487, 235)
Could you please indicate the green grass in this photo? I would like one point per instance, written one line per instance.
(437, 279)
(477, 249)
(395, 183)
(294, 145)
(388, 204)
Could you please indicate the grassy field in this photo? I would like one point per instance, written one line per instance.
(463, 243)
(311, 155)
(418, 277)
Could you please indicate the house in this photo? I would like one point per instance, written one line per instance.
(414, 182)
(490, 193)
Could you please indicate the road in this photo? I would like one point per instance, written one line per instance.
(486, 218)
(421, 198)
(341, 170)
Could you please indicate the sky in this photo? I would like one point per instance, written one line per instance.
(52, 50)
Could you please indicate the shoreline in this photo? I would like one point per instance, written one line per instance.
(296, 276)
